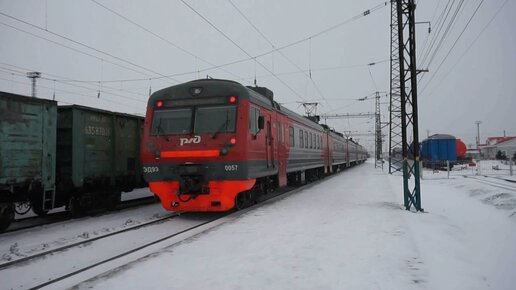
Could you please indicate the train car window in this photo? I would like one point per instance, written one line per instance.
(301, 142)
(313, 141)
(283, 134)
(169, 122)
(278, 128)
(254, 113)
(216, 119)
(291, 137)
(306, 139)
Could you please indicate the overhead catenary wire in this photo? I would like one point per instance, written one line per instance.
(52, 77)
(309, 74)
(157, 35)
(241, 49)
(446, 33)
(73, 93)
(453, 46)
(272, 51)
(85, 45)
(464, 53)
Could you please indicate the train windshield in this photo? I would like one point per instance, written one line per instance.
(220, 119)
(205, 120)
(171, 122)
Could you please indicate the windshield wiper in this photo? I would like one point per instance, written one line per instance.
(160, 130)
(224, 124)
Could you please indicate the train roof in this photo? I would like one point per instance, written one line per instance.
(85, 108)
(440, 137)
(26, 99)
(212, 87)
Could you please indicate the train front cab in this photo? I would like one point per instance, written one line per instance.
(199, 151)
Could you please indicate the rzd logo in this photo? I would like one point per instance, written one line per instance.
(196, 139)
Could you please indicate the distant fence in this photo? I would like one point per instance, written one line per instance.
(479, 167)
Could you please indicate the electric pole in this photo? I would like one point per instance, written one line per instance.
(395, 140)
(405, 12)
(478, 132)
(33, 75)
(378, 156)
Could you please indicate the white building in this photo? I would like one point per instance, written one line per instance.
(495, 144)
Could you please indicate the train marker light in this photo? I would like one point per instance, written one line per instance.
(232, 141)
(159, 104)
(232, 99)
(195, 91)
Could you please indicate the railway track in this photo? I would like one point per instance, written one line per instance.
(36, 221)
(109, 253)
(494, 182)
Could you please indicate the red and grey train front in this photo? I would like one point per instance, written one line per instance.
(191, 154)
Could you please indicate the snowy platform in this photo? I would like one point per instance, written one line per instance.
(348, 232)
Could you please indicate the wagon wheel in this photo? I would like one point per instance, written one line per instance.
(113, 199)
(37, 208)
(6, 215)
(22, 208)
(75, 207)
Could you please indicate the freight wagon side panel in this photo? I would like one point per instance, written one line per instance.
(27, 141)
(85, 139)
(127, 148)
(94, 136)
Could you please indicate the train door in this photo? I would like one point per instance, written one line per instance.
(281, 150)
(269, 145)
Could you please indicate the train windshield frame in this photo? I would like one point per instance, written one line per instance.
(194, 120)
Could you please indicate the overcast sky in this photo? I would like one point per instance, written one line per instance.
(117, 48)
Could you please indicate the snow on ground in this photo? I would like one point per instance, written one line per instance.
(348, 232)
(31, 241)
(135, 194)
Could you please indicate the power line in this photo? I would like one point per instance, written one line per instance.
(473, 42)
(448, 29)
(157, 35)
(84, 45)
(281, 53)
(439, 27)
(22, 71)
(277, 49)
(453, 46)
(69, 47)
(243, 50)
(70, 92)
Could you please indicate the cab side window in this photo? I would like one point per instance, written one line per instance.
(291, 137)
(254, 113)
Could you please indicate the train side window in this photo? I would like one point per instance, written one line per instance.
(253, 126)
(313, 141)
(254, 113)
(291, 136)
(283, 134)
(301, 142)
(306, 139)
(278, 128)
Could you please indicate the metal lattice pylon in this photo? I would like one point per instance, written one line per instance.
(409, 115)
(378, 156)
(395, 138)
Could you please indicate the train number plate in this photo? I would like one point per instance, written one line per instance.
(150, 169)
(232, 167)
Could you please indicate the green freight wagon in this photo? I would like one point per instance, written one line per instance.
(27, 154)
(97, 156)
